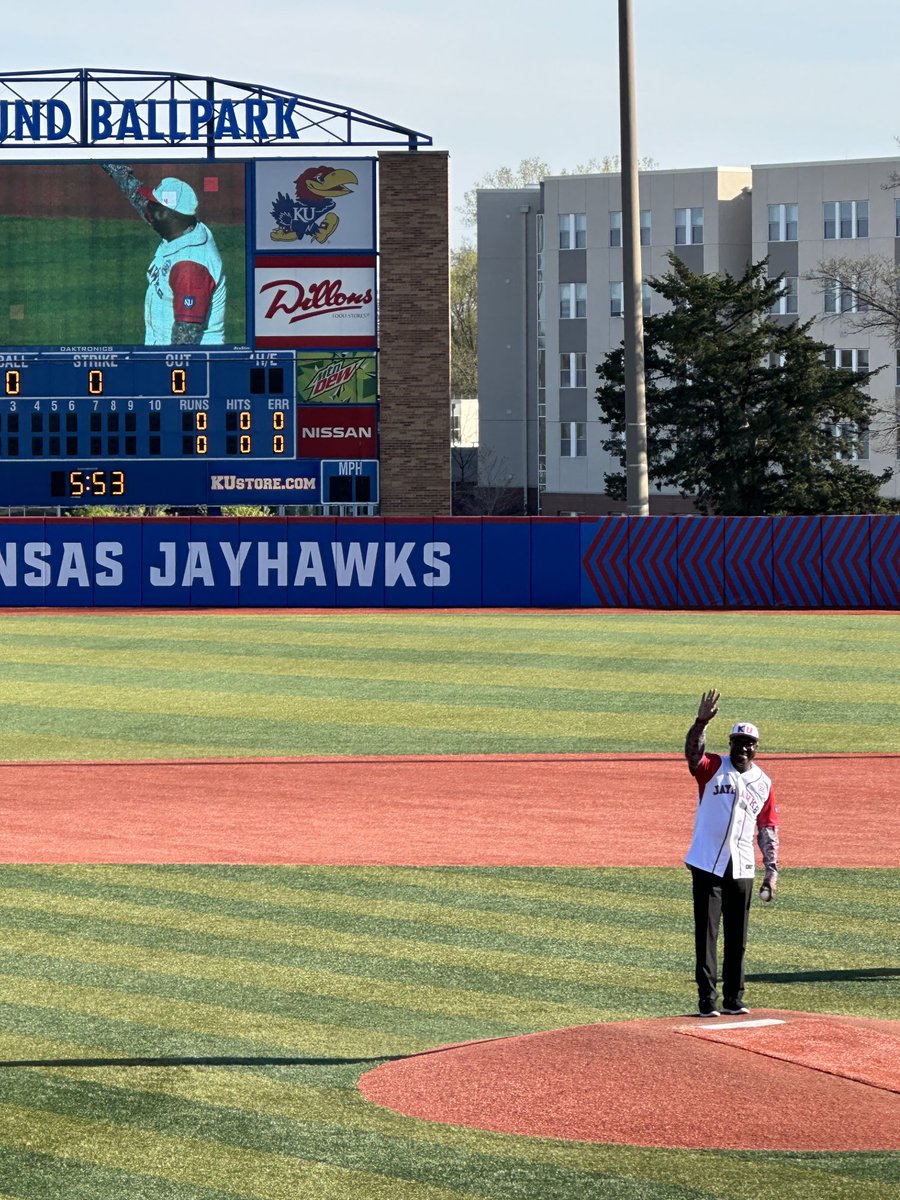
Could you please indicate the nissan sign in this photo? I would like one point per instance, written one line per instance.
(327, 431)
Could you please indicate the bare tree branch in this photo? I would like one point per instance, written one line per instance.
(866, 295)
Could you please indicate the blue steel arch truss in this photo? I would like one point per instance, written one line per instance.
(79, 93)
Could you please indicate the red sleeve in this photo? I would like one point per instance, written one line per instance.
(768, 814)
(192, 289)
(709, 764)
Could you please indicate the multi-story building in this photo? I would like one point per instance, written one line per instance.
(550, 284)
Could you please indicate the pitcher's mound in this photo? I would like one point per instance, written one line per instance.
(772, 1080)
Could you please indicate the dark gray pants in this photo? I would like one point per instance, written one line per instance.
(720, 898)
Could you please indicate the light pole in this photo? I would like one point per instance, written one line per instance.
(637, 495)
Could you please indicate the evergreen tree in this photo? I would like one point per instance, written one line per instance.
(744, 414)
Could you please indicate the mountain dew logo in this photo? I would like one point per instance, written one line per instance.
(331, 377)
(336, 378)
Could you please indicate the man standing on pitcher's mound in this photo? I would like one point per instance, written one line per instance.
(734, 798)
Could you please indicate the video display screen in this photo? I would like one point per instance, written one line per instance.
(117, 254)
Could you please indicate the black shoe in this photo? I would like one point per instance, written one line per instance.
(707, 1008)
(735, 1008)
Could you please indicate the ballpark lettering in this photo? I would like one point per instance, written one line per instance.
(314, 301)
(153, 120)
(34, 120)
(42, 565)
(305, 564)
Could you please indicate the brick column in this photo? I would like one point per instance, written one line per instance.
(414, 332)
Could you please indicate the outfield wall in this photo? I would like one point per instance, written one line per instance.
(541, 562)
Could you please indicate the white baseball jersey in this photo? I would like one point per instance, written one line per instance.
(185, 282)
(730, 807)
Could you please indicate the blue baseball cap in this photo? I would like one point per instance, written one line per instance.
(177, 195)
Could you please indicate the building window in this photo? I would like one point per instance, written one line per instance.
(615, 228)
(572, 231)
(897, 218)
(688, 226)
(788, 302)
(857, 442)
(573, 439)
(573, 370)
(898, 374)
(782, 222)
(846, 219)
(617, 298)
(572, 300)
(848, 360)
(841, 298)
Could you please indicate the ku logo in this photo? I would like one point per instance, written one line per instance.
(310, 216)
(720, 789)
(188, 302)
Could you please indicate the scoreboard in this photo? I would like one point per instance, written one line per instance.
(105, 396)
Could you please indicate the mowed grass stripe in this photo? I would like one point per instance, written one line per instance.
(261, 981)
(259, 1031)
(298, 725)
(497, 629)
(387, 952)
(595, 639)
(41, 1177)
(650, 979)
(660, 981)
(149, 738)
(546, 914)
(269, 1172)
(443, 936)
(145, 668)
(199, 1162)
(604, 667)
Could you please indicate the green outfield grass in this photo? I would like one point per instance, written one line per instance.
(146, 685)
(333, 969)
(82, 282)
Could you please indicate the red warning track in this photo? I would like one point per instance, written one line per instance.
(545, 810)
(809, 1082)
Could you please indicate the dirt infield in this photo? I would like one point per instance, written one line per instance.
(545, 810)
(804, 1082)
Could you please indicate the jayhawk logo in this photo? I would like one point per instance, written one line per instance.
(311, 215)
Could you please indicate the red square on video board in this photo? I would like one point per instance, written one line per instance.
(210, 183)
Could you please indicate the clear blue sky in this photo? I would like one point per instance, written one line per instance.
(718, 81)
